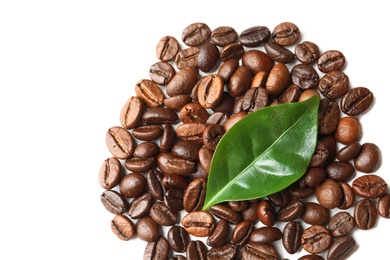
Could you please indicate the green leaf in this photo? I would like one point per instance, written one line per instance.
(263, 153)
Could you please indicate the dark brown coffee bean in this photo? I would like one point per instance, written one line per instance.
(341, 224)
(226, 103)
(167, 48)
(311, 257)
(348, 130)
(193, 112)
(259, 251)
(256, 60)
(119, 142)
(291, 238)
(167, 139)
(114, 202)
(307, 52)
(365, 214)
(175, 181)
(231, 51)
(341, 248)
(146, 149)
(199, 223)
(211, 136)
(356, 101)
(304, 76)
(240, 81)
(159, 115)
(147, 132)
(196, 250)
(131, 112)
(188, 57)
(153, 181)
(132, 185)
(200, 172)
(286, 34)
(369, 186)
(169, 163)
(316, 239)
(320, 155)
(265, 235)
(187, 150)
(250, 213)
(369, 158)
(210, 90)
(266, 213)
(110, 173)
(234, 119)
(123, 227)
(173, 198)
(147, 229)
(331, 144)
(178, 239)
(281, 198)
(293, 210)
(238, 205)
(331, 60)
(134, 164)
(149, 92)
(227, 69)
(226, 251)
(278, 53)
(291, 94)
(177, 102)
(259, 79)
(223, 35)
(340, 171)
(315, 214)
(328, 116)
(329, 194)
(157, 250)
(191, 132)
(194, 195)
(208, 57)
(348, 152)
(183, 81)
(300, 192)
(334, 84)
(254, 99)
(254, 36)
(348, 196)
(384, 206)
(196, 34)
(308, 93)
(161, 73)
(205, 156)
(242, 232)
(225, 212)
(163, 215)
(313, 177)
(278, 79)
(220, 234)
(140, 205)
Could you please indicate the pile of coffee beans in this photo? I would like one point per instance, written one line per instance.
(155, 181)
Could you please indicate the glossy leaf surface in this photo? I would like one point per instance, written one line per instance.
(264, 152)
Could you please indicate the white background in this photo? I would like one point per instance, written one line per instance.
(66, 69)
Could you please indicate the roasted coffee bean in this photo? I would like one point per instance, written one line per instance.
(329, 194)
(254, 99)
(226, 103)
(331, 60)
(132, 185)
(304, 76)
(199, 173)
(183, 81)
(340, 171)
(278, 53)
(316, 239)
(153, 181)
(194, 195)
(187, 150)
(234, 119)
(240, 81)
(265, 235)
(131, 113)
(147, 229)
(291, 237)
(163, 215)
(147, 132)
(211, 136)
(369, 186)
(169, 163)
(308, 93)
(259, 79)
(291, 94)
(250, 213)
(193, 112)
(178, 257)
(146, 149)
(348, 130)
(196, 250)
(286, 34)
(266, 213)
(254, 36)
(341, 248)
(238, 205)
(256, 60)
(114, 202)
(341, 224)
(123, 227)
(315, 214)
(241, 233)
(328, 116)
(225, 212)
(194, 92)
(311, 257)
(348, 196)
(199, 223)
(369, 158)
(161, 73)
(159, 115)
(293, 210)
(231, 51)
(210, 90)
(300, 192)
(365, 214)
(320, 155)
(313, 177)
(226, 251)
(177, 102)
(140, 205)
(227, 69)
(278, 79)
(167, 139)
(384, 206)
(223, 35)
(157, 250)
(281, 198)
(175, 181)
(134, 164)
(149, 92)
(205, 156)
(208, 57)
(334, 84)
(191, 132)
(307, 52)
(178, 239)
(188, 57)
(348, 152)
(220, 234)
(110, 173)
(173, 198)
(196, 34)
(259, 251)
(120, 142)
(356, 101)
(331, 144)
(167, 48)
